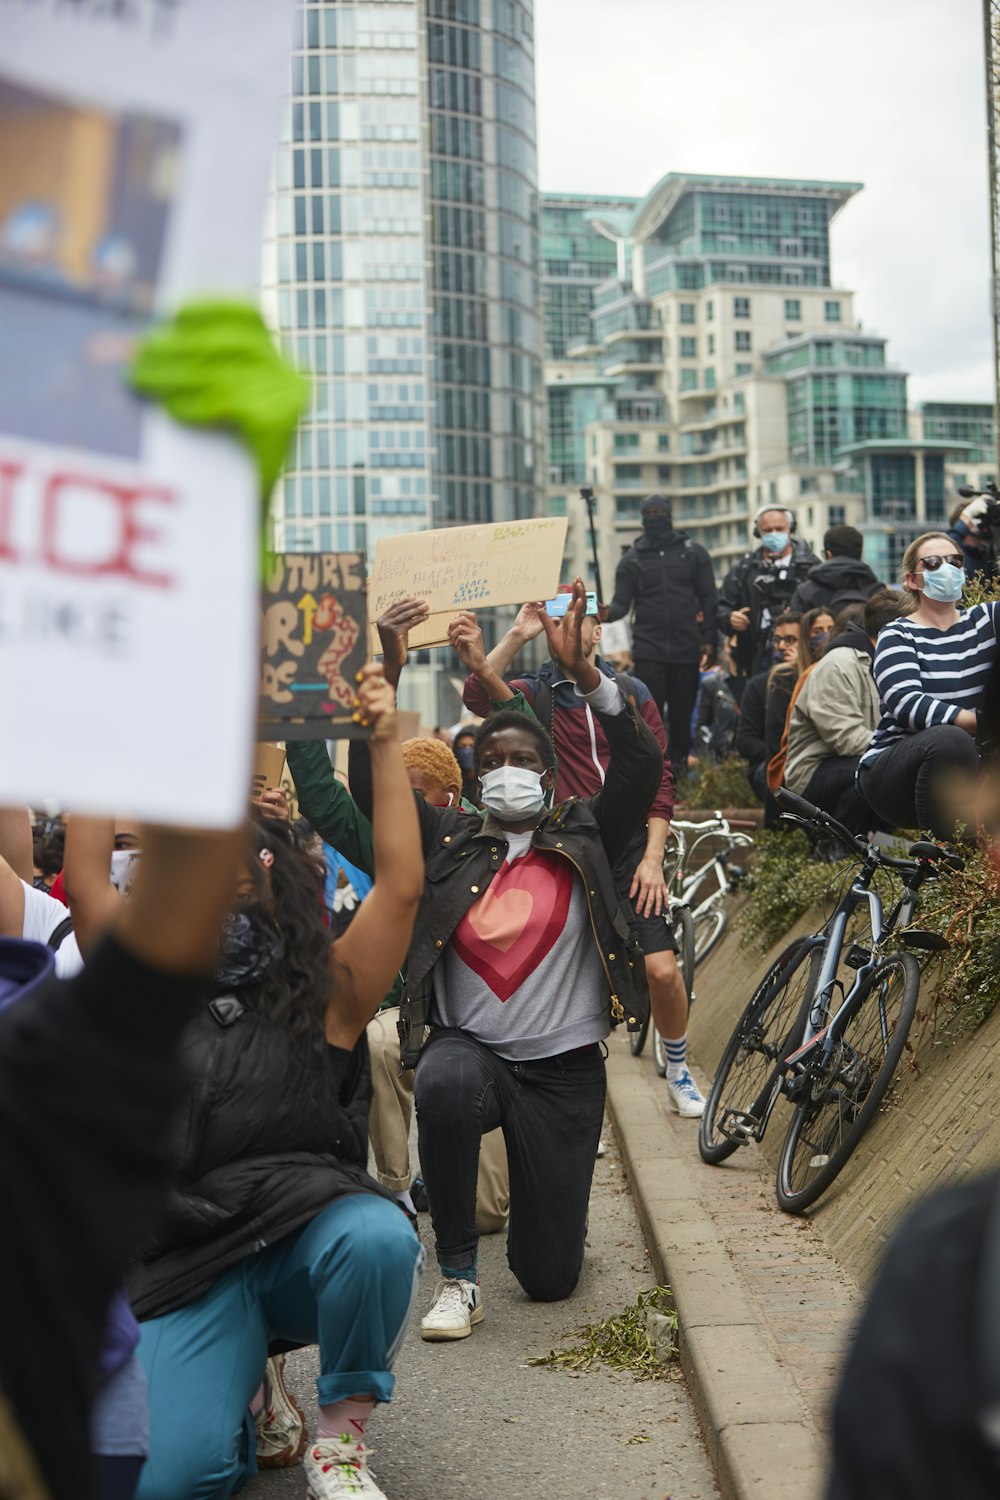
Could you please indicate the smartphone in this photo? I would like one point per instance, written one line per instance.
(558, 606)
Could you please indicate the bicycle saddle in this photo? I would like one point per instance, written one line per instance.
(925, 850)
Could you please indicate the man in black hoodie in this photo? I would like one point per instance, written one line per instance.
(668, 580)
(841, 579)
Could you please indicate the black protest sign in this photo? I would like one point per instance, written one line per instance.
(314, 606)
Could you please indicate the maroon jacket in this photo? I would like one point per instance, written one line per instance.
(581, 748)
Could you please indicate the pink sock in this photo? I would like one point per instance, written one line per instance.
(344, 1418)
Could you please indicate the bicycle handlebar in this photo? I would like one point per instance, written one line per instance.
(921, 854)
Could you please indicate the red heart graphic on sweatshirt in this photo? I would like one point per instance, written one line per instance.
(514, 925)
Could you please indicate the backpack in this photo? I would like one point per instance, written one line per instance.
(544, 704)
(718, 732)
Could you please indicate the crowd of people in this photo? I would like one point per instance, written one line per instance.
(201, 1048)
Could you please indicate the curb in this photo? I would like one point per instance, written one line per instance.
(761, 1441)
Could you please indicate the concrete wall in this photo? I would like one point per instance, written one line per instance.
(943, 1120)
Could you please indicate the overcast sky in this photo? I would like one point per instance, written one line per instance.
(888, 93)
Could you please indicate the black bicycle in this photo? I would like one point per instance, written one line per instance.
(831, 1053)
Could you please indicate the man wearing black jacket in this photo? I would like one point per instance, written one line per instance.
(839, 580)
(668, 580)
(760, 586)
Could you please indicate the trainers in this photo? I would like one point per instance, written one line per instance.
(281, 1425)
(684, 1096)
(337, 1469)
(457, 1305)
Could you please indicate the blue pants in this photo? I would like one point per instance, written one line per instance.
(346, 1281)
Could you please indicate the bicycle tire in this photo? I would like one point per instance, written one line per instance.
(771, 1025)
(683, 925)
(708, 929)
(840, 1106)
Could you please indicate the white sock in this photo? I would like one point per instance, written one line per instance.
(403, 1197)
(676, 1057)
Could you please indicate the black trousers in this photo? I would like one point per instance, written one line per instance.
(550, 1111)
(831, 787)
(908, 783)
(676, 685)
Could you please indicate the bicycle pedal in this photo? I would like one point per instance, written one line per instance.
(857, 956)
(737, 1126)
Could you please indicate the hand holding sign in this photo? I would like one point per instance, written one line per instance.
(376, 702)
(394, 626)
(466, 639)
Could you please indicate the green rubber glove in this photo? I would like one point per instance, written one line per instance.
(215, 365)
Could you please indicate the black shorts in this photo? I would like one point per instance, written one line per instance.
(656, 935)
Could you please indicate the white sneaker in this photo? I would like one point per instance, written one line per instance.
(457, 1305)
(684, 1096)
(281, 1426)
(337, 1469)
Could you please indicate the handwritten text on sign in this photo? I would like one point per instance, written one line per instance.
(467, 567)
(313, 644)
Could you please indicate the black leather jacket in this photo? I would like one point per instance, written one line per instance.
(464, 852)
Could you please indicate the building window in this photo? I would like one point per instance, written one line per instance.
(793, 309)
(687, 312)
(711, 343)
(689, 348)
(743, 340)
(710, 378)
(744, 369)
(741, 307)
(831, 312)
(837, 515)
(663, 471)
(663, 442)
(626, 442)
(689, 380)
(709, 311)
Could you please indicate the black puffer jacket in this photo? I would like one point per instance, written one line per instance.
(257, 1159)
(671, 585)
(834, 583)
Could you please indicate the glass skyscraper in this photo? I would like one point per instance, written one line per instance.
(400, 268)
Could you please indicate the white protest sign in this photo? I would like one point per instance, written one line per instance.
(616, 638)
(136, 143)
(466, 567)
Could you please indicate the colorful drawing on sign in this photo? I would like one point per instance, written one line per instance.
(313, 635)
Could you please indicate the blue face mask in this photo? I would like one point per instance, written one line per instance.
(775, 541)
(819, 640)
(945, 584)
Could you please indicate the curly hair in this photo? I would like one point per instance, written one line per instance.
(435, 760)
(295, 991)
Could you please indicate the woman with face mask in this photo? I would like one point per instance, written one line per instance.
(931, 667)
(276, 1233)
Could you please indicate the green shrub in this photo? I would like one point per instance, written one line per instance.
(720, 784)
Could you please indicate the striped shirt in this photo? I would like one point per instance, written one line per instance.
(926, 676)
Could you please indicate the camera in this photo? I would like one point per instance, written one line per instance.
(989, 523)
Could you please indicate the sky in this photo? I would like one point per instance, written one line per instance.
(888, 93)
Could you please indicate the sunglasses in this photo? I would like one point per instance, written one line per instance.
(786, 640)
(933, 562)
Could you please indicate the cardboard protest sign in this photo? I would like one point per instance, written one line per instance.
(136, 144)
(466, 567)
(313, 645)
(268, 769)
(408, 724)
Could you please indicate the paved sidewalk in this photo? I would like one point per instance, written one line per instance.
(765, 1311)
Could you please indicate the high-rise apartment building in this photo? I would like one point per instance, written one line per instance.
(401, 271)
(725, 369)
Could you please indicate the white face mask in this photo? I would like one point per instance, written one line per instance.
(513, 792)
(124, 869)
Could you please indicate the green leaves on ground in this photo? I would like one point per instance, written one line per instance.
(642, 1339)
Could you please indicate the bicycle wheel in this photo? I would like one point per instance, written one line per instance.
(709, 926)
(683, 925)
(748, 1072)
(841, 1100)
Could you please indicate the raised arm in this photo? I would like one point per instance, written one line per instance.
(366, 959)
(328, 806)
(394, 627)
(94, 903)
(466, 640)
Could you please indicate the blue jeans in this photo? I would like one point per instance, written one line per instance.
(550, 1110)
(346, 1281)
